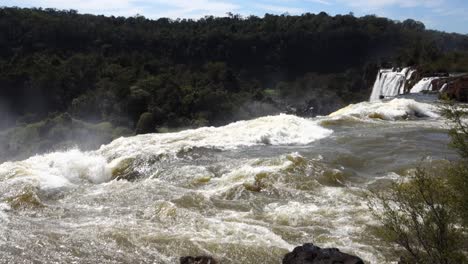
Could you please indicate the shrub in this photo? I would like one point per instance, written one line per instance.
(458, 115)
(420, 216)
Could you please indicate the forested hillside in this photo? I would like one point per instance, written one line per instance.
(141, 75)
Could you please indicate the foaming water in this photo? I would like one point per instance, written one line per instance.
(68, 168)
(58, 169)
(246, 191)
(269, 130)
(395, 109)
(4, 220)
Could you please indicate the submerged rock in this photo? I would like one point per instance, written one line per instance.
(124, 170)
(311, 254)
(27, 199)
(198, 260)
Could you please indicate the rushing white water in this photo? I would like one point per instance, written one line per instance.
(269, 130)
(398, 108)
(60, 169)
(425, 84)
(443, 88)
(390, 83)
(410, 73)
(242, 192)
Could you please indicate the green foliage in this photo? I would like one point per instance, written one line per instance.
(458, 180)
(458, 115)
(418, 214)
(449, 62)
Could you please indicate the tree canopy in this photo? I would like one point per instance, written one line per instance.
(198, 72)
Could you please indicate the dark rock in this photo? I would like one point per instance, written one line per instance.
(458, 89)
(198, 260)
(125, 170)
(145, 124)
(310, 254)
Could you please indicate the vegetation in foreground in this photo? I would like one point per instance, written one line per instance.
(426, 214)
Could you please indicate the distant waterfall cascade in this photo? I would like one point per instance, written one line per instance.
(443, 88)
(425, 84)
(390, 83)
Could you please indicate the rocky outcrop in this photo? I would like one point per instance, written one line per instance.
(449, 86)
(311, 254)
(305, 254)
(457, 89)
(198, 260)
(397, 81)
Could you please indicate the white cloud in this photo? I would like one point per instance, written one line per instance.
(280, 9)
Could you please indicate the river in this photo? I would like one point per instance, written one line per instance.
(247, 192)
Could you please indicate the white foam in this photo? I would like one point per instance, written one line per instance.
(220, 229)
(337, 210)
(242, 233)
(291, 214)
(270, 130)
(390, 110)
(247, 174)
(58, 169)
(4, 220)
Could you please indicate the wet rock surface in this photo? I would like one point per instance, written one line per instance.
(311, 254)
(198, 260)
(458, 89)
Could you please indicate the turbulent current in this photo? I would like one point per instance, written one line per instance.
(247, 192)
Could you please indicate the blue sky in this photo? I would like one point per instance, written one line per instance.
(445, 15)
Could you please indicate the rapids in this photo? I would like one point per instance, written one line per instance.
(248, 191)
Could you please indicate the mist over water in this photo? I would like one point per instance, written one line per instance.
(246, 191)
(7, 118)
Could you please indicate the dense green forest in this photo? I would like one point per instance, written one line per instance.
(117, 75)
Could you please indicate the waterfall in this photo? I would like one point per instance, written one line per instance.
(443, 88)
(390, 83)
(425, 84)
